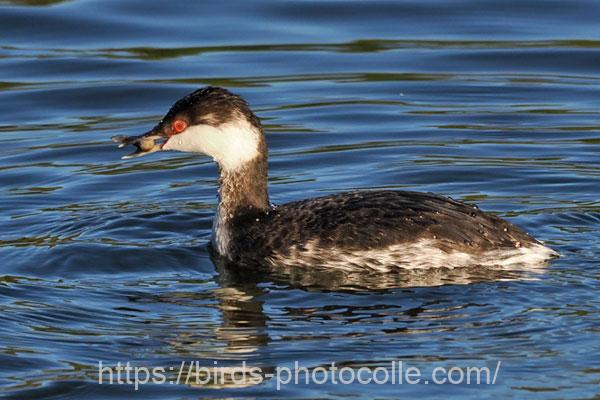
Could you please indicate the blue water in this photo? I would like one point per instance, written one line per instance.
(492, 102)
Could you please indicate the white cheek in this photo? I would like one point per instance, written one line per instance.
(231, 144)
(195, 139)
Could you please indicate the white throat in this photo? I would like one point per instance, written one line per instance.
(231, 144)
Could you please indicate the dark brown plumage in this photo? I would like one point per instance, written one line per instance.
(367, 220)
(211, 106)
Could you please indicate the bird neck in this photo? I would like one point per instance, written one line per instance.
(244, 189)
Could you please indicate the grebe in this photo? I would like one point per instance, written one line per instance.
(381, 229)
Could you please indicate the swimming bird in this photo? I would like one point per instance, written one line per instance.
(369, 229)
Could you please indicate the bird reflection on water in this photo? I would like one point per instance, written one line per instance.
(244, 330)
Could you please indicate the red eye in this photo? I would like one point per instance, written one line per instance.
(179, 126)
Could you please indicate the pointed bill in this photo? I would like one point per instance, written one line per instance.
(147, 143)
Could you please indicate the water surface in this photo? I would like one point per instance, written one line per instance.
(102, 259)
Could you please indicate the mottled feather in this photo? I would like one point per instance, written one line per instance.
(368, 220)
